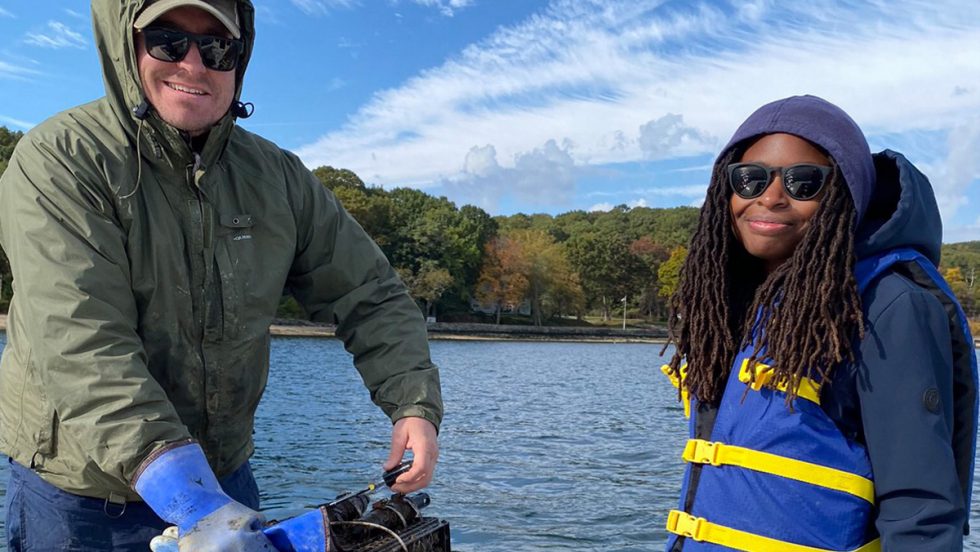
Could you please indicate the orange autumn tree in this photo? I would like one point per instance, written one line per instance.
(527, 264)
(503, 279)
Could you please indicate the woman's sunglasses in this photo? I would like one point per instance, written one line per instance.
(802, 181)
(217, 52)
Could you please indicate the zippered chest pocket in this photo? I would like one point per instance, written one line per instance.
(231, 248)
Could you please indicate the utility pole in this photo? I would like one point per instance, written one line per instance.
(624, 312)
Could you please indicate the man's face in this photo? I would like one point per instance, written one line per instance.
(186, 94)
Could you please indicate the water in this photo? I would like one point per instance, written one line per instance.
(545, 446)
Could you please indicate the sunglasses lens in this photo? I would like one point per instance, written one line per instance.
(747, 180)
(166, 45)
(803, 181)
(217, 53)
(220, 54)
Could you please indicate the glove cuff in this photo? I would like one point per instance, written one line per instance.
(179, 486)
(309, 532)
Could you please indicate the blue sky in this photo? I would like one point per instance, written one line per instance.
(549, 106)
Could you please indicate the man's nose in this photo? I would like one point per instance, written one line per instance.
(192, 62)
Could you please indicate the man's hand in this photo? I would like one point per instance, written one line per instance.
(419, 436)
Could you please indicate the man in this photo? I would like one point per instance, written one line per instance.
(150, 240)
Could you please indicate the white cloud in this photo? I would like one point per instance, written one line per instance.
(960, 169)
(267, 15)
(336, 83)
(609, 206)
(59, 36)
(16, 122)
(322, 7)
(668, 135)
(626, 81)
(16, 72)
(962, 232)
(445, 7)
(5, 13)
(544, 175)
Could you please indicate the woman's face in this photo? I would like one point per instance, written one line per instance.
(771, 225)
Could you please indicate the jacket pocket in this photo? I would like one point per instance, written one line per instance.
(235, 229)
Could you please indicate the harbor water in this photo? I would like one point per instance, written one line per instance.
(544, 446)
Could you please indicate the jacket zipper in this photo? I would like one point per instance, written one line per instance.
(192, 183)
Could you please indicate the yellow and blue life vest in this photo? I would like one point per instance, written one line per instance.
(771, 478)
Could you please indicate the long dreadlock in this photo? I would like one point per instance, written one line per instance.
(808, 309)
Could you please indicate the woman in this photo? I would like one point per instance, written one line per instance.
(830, 373)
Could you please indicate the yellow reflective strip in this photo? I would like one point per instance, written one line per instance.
(873, 546)
(807, 389)
(700, 529)
(720, 454)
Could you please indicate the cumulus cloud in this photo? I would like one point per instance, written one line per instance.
(668, 135)
(58, 36)
(605, 207)
(544, 175)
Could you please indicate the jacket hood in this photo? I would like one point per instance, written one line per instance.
(112, 23)
(902, 212)
(821, 123)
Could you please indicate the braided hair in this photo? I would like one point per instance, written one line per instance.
(806, 312)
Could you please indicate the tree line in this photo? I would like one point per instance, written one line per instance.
(463, 264)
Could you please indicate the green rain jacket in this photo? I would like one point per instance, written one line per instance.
(146, 277)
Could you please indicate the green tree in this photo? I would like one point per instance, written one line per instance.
(961, 268)
(652, 255)
(337, 178)
(427, 284)
(8, 141)
(606, 266)
(669, 273)
(431, 228)
(373, 210)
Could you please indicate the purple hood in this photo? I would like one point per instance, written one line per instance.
(825, 125)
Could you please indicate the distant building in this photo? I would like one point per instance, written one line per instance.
(523, 308)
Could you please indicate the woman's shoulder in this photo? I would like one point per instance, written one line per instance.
(895, 291)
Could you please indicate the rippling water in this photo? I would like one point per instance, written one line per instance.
(545, 446)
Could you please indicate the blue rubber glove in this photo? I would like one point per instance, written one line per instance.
(309, 532)
(181, 488)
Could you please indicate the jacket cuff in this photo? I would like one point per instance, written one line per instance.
(417, 411)
(157, 454)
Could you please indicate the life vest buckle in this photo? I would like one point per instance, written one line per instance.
(686, 525)
(702, 452)
(763, 374)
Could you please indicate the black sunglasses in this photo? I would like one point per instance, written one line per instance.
(802, 181)
(217, 52)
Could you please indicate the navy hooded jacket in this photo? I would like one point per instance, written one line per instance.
(898, 399)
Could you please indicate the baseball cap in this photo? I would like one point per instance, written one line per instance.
(224, 11)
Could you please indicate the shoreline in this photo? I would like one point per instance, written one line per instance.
(445, 331)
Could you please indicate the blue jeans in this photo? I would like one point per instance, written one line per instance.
(41, 516)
